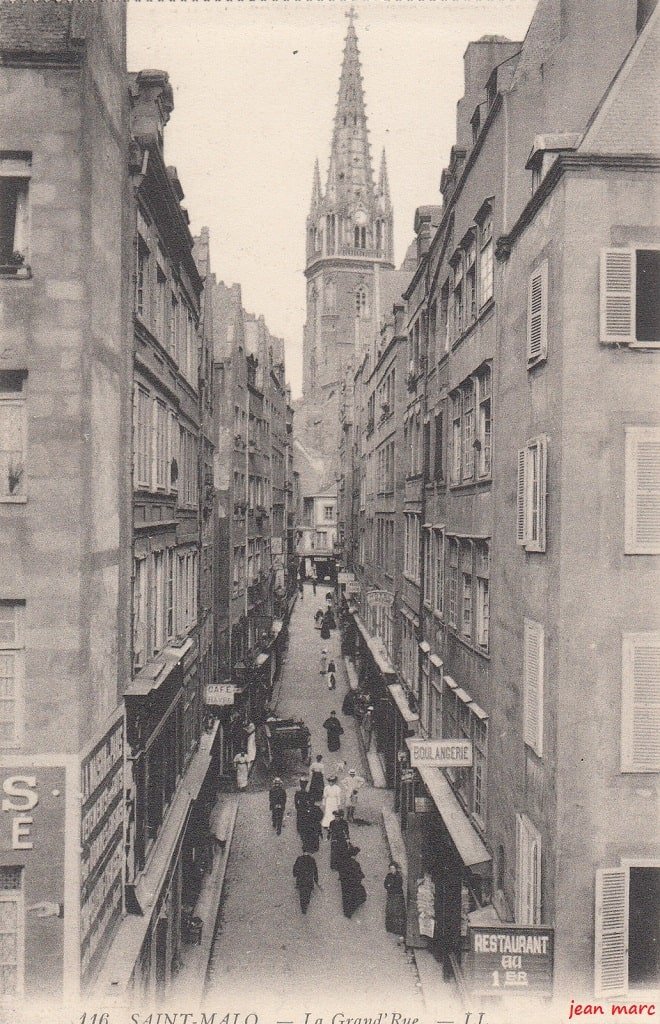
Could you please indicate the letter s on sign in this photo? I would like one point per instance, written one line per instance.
(21, 788)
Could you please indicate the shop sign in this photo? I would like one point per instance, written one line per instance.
(440, 753)
(101, 841)
(510, 960)
(353, 587)
(345, 577)
(219, 694)
(380, 599)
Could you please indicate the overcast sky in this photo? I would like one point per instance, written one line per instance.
(255, 85)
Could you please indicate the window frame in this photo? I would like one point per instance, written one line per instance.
(623, 298)
(17, 167)
(642, 716)
(533, 690)
(537, 316)
(16, 399)
(15, 649)
(634, 436)
(16, 896)
(532, 504)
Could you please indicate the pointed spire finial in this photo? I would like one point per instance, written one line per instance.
(351, 14)
(316, 187)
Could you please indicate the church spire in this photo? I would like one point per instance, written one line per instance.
(383, 181)
(350, 159)
(316, 188)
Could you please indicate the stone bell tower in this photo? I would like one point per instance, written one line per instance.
(349, 242)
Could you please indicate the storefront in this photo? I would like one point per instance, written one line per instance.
(450, 862)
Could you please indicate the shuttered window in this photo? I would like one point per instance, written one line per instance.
(629, 281)
(531, 495)
(528, 872)
(640, 703)
(533, 656)
(642, 491)
(611, 932)
(537, 315)
(12, 672)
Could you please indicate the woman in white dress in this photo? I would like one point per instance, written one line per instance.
(332, 801)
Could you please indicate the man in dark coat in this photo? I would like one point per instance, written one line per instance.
(334, 730)
(306, 875)
(301, 803)
(277, 802)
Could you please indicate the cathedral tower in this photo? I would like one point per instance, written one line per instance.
(349, 241)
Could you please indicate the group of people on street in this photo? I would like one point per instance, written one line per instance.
(314, 821)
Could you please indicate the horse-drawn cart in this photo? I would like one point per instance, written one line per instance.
(280, 734)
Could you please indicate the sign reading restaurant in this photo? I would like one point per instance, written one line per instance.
(509, 960)
(444, 753)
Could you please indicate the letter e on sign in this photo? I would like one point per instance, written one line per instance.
(20, 833)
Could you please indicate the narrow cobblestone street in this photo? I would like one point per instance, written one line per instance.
(266, 952)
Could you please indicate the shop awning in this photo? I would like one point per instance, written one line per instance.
(156, 672)
(424, 646)
(465, 837)
(436, 661)
(276, 628)
(399, 698)
(375, 645)
(261, 659)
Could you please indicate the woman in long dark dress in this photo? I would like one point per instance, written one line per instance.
(339, 839)
(353, 893)
(311, 830)
(316, 780)
(334, 730)
(395, 907)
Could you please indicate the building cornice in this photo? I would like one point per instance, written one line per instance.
(577, 163)
(349, 262)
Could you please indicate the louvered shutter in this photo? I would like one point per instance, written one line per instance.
(640, 703)
(537, 314)
(642, 494)
(520, 882)
(611, 932)
(542, 494)
(533, 640)
(520, 498)
(617, 296)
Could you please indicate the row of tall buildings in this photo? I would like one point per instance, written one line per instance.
(146, 517)
(497, 466)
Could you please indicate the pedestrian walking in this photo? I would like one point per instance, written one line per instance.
(339, 837)
(395, 904)
(368, 726)
(325, 629)
(277, 802)
(251, 744)
(311, 829)
(324, 662)
(334, 731)
(306, 875)
(316, 780)
(314, 585)
(332, 798)
(301, 803)
(318, 618)
(242, 766)
(353, 893)
(332, 674)
(351, 785)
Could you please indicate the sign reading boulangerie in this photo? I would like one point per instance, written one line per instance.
(440, 753)
(510, 959)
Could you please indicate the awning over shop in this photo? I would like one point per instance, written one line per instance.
(276, 628)
(424, 646)
(156, 672)
(261, 659)
(465, 837)
(376, 647)
(436, 661)
(399, 698)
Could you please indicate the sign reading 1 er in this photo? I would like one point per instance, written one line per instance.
(509, 959)
(440, 753)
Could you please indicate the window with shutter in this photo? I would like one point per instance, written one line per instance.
(533, 655)
(640, 703)
(537, 315)
(642, 491)
(531, 495)
(629, 281)
(611, 932)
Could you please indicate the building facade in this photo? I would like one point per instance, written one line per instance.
(65, 492)
(530, 445)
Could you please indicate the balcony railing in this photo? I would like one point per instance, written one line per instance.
(366, 254)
